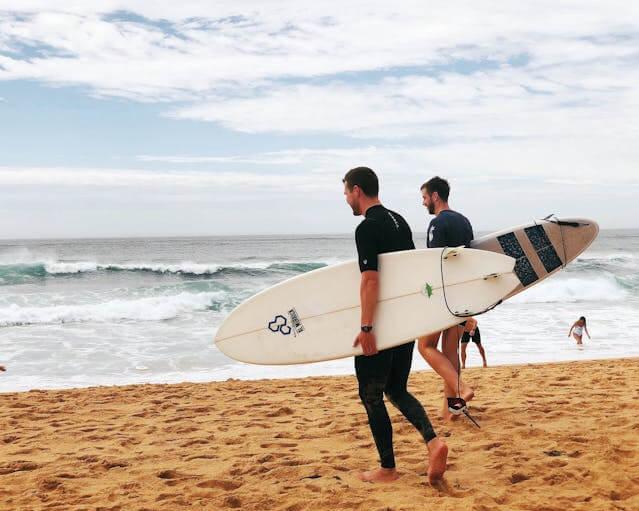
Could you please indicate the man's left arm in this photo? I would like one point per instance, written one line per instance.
(366, 238)
(369, 296)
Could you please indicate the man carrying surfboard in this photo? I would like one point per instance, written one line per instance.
(386, 371)
(448, 229)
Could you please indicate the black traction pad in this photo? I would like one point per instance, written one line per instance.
(545, 249)
(523, 269)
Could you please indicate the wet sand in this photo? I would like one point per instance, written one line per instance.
(553, 437)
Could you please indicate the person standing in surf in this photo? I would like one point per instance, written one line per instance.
(448, 229)
(471, 333)
(577, 330)
(386, 371)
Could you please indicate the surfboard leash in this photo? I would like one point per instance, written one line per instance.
(457, 405)
(457, 314)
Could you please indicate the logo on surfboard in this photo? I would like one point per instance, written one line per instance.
(296, 321)
(280, 324)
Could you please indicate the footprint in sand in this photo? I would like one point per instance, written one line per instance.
(277, 445)
(233, 502)
(196, 441)
(518, 478)
(17, 466)
(49, 484)
(109, 464)
(173, 474)
(285, 410)
(202, 457)
(221, 484)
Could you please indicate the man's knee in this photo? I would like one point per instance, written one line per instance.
(371, 394)
(396, 395)
(428, 341)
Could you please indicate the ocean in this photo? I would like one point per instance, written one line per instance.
(77, 313)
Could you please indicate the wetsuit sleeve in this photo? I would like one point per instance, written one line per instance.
(366, 239)
(437, 234)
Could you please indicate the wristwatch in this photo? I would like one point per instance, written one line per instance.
(367, 328)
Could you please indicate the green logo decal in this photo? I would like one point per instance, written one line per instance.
(428, 290)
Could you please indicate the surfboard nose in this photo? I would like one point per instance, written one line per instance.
(578, 235)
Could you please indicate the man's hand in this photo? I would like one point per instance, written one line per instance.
(2, 368)
(367, 341)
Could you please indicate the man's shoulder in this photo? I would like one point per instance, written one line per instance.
(396, 215)
(366, 226)
(366, 222)
(451, 213)
(438, 220)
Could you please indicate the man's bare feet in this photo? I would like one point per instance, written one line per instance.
(378, 475)
(446, 415)
(437, 456)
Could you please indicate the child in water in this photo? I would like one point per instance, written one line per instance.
(578, 328)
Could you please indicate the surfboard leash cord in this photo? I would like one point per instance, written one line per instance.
(458, 314)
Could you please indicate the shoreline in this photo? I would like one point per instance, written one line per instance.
(556, 436)
(205, 381)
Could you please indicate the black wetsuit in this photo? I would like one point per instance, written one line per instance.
(386, 372)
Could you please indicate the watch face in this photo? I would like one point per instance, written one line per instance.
(367, 328)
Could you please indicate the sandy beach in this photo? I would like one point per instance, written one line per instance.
(553, 437)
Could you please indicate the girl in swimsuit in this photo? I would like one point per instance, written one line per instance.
(578, 328)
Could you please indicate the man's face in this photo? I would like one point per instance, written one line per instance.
(352, 198)
(428, 202)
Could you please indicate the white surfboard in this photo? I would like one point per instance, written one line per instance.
(316, 316)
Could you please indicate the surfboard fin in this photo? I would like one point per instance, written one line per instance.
(452, 252)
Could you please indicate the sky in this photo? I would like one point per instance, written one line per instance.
(135, 118)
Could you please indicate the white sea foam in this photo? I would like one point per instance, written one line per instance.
(570, 290)
(55, 267)
(154, 308)
(606, 256)
(58, 267)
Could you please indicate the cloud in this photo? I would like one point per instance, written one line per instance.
(150, 180)
(146, 51)
(474, 161)
(506, 102)
(364, 70)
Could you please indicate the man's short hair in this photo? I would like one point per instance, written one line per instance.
(439, 185)
(363, 177)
